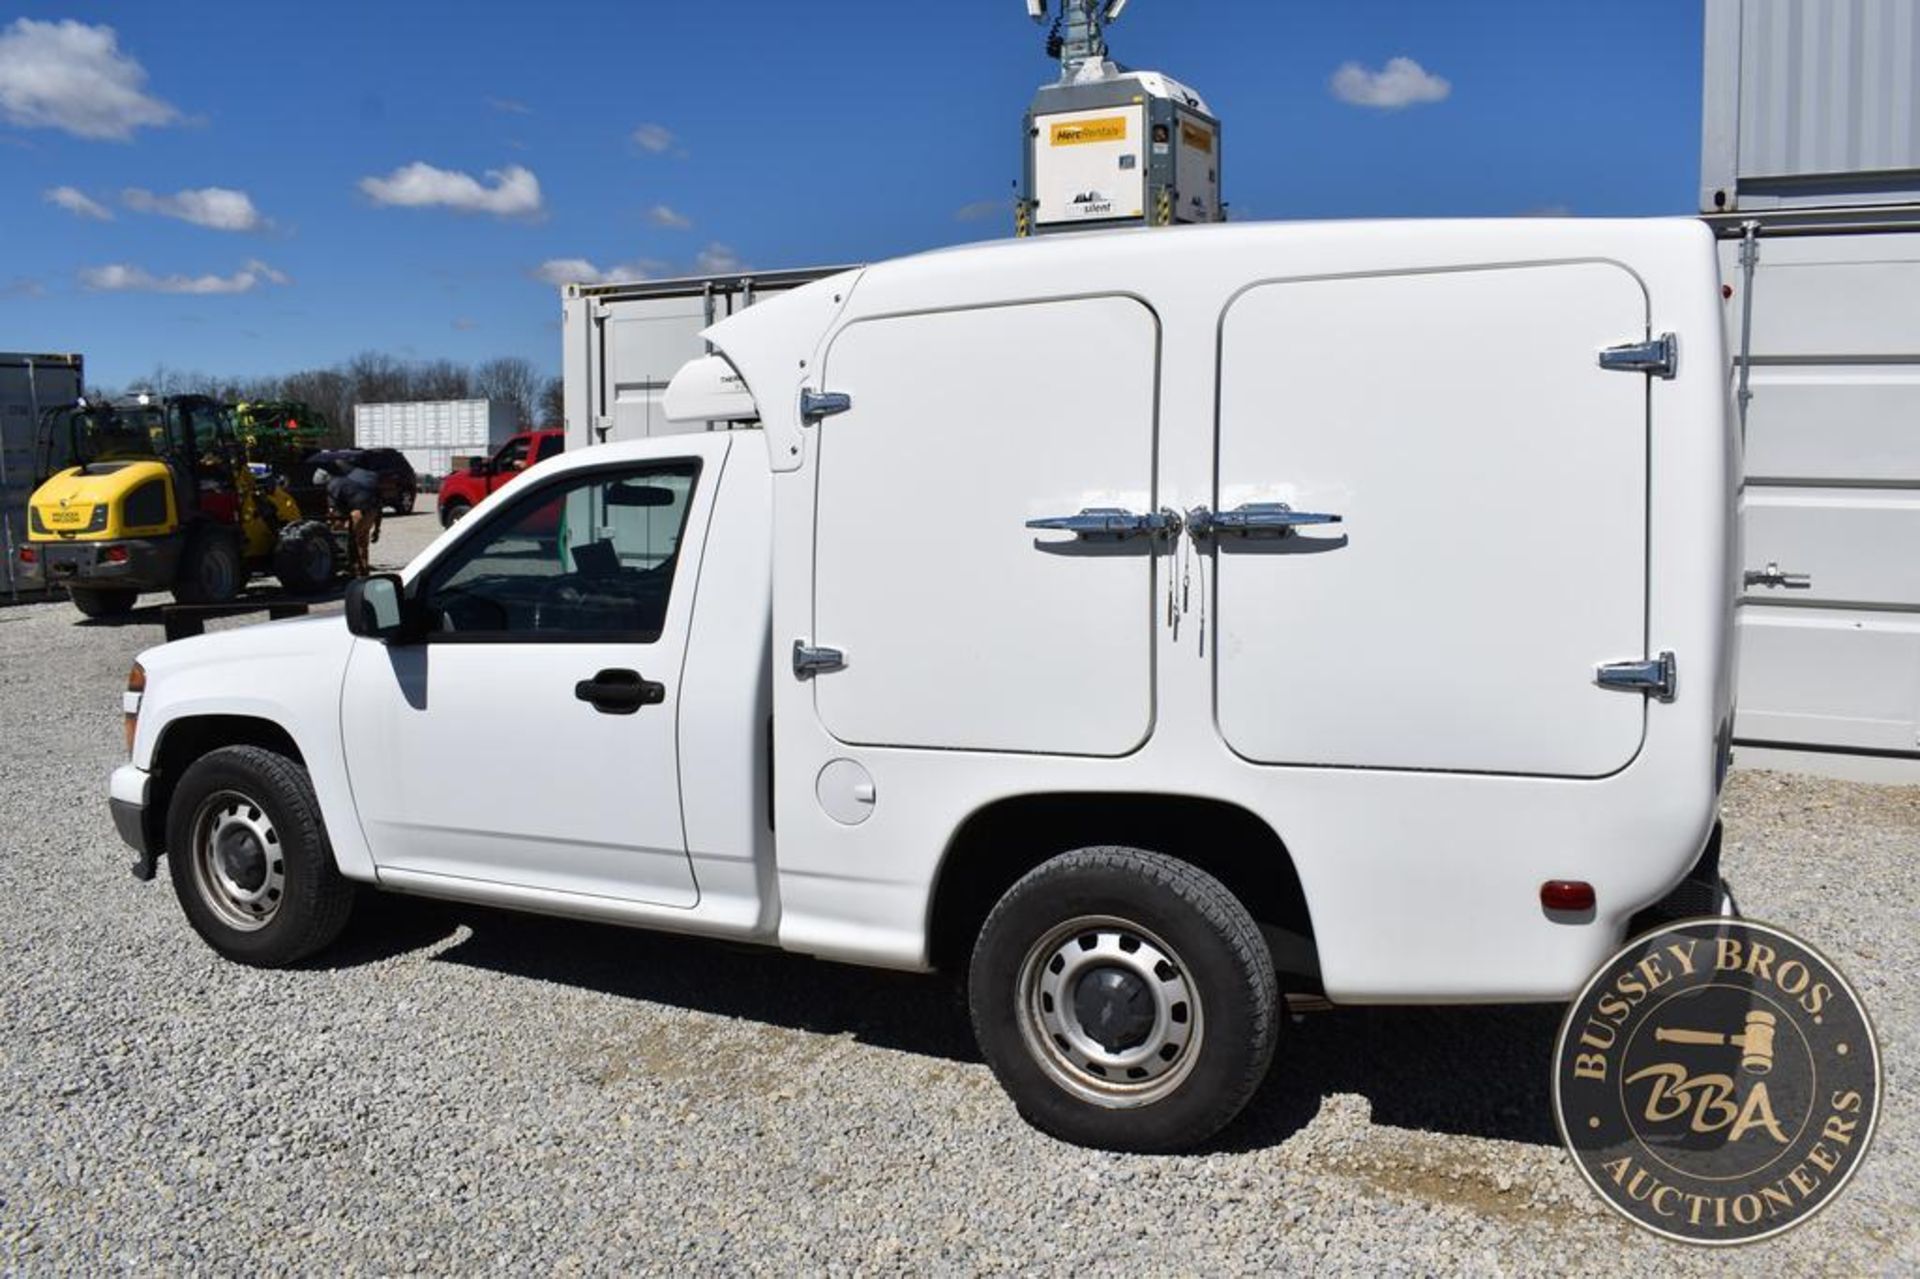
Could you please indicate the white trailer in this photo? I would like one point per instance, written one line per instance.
(28, 384)
(622, 343)
(433, 433)
(1810, 174)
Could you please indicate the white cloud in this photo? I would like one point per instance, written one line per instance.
(509, 106)
(515, 192)
(221, 208)
(717, 259)
(558, 271)
(662, 215)
(71, 76)
(79, 203)
(981, 210)
(1401, 83)
(23, 286)
(657, 138)
(465, 325)
(119, 277)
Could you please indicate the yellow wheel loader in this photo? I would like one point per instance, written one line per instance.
(156, 494)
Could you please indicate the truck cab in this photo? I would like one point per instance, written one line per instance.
(1136, 627)
(464, 490)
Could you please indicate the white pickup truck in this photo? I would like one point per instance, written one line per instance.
(1141, 624)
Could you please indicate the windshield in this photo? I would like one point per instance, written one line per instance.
(101, 433)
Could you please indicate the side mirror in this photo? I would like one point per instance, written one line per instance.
(377, 608)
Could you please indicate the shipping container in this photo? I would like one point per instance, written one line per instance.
(29, 384)
(1810, 103)
(1810, 176)
(622, 343)
(432, 433)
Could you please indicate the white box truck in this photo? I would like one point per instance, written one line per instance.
(1140, 625)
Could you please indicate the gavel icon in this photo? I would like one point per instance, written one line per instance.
(1756, 1043)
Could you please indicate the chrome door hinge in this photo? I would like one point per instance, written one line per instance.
(810, 660)
(1657, 677)
(815, 405)
(1659, 356)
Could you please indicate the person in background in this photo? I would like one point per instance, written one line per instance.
(355, 495)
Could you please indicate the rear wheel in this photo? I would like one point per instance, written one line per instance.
(304, 560)
(250, 861)
(403, 502)
(210, 570)
(452, 512)
(103, 601)
(1125, 1000)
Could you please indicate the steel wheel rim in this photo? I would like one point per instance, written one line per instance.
(239, 866)
(1137, 1074)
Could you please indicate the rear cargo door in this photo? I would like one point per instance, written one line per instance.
(961, 627)
(1492, 483)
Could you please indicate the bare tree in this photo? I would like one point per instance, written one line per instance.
(441, 380)
(512, 381)
(553, 402)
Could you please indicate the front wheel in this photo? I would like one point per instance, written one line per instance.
(250, 861)
(403, 502)
(210, 571)
(453, 511)
(1125, 1000)
(303, 559)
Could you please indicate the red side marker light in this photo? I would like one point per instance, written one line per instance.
(1726, 290)
(29, 556)
(1567, 894)
(116, 555)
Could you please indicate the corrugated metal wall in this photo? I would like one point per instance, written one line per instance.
(433, 433)
(1810, 102)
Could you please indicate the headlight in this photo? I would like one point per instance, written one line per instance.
(130, 702)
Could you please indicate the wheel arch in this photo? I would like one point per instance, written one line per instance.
(1003, 840)
(184, 740)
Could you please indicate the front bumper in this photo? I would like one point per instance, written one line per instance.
(149, 566)
(127, 801)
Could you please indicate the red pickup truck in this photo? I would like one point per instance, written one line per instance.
(463, 490)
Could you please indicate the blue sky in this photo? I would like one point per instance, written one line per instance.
(665, 138)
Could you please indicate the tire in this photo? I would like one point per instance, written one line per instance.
(103, 601)
(454, 511)
(403, 504)
(304, 559)
(250, 861)
(1166, 967)
(210, 571)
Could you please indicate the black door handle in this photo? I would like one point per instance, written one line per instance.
(620, 692)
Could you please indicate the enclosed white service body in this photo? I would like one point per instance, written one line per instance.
(1175, 613)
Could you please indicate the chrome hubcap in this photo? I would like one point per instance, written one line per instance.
(238, 864)
(1107, 1008)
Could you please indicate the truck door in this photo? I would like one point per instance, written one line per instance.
(961, 627)
(1492, 483)
(531, 739)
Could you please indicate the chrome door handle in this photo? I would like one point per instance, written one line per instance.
(1112, 523)
(1772, 575)
(1255, 519)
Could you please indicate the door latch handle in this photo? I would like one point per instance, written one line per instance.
(1111, 523)
(1255, 519)
(1773, 575)
(813, 659)
(620, 692)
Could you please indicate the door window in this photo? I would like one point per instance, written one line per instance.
(512, 455)
(592, 557)
(550, 446)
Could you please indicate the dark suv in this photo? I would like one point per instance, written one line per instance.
(399, 486)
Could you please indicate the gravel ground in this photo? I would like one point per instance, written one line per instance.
(458, 1089)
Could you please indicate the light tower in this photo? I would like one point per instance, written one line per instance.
(1106, 146)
